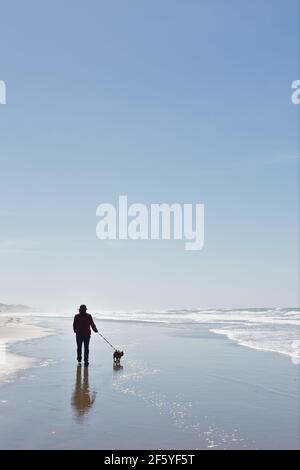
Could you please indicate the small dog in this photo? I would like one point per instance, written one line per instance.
(117, 356)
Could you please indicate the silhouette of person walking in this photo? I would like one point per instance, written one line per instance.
(82, 324)
(82, 398)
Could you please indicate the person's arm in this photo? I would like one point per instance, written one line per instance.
(93, 326)
(75, 324)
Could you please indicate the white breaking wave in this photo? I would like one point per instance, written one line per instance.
(276, 329)
(279, 341)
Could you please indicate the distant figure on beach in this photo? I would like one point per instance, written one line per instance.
(82, 398)
(83, 322)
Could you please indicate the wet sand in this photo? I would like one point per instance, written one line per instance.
(179, 387)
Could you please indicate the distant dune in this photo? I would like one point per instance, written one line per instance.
(5, 308)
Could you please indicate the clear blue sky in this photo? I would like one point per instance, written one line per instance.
(165, 101)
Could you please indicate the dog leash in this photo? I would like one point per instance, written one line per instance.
(107, 341)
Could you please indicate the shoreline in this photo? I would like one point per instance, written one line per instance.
(273, 330)
(29, 330)
(14, 329)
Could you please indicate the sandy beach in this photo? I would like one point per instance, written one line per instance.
(12, 330)
(178, 388)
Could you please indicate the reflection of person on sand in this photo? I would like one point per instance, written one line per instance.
(117, 367)
(82, 398)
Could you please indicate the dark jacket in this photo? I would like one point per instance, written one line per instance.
(82, 324)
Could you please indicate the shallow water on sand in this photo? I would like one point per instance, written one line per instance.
(179, 387)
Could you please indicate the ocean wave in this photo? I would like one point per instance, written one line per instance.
(273, 341)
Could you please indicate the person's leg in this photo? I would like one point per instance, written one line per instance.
(86, 350)
(79, 341)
